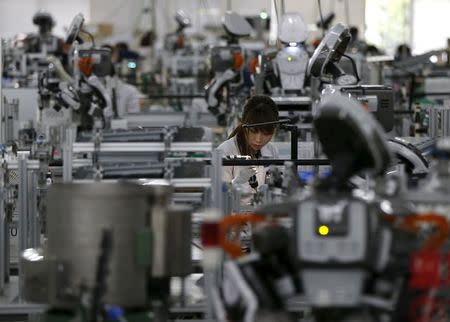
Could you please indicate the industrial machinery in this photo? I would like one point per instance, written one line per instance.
(283, 72)
(342, 256)
(184, 64)
(224, 93)
(177, 40)
(113, 261)
(25, 57)
(324, 64)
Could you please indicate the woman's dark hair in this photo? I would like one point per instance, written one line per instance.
(257, 109)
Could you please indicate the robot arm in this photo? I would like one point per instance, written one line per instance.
(67, 97)
(59, 69)
(101, 99)
(214, 88)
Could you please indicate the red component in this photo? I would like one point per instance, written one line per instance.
(426, 270)
(210, 234)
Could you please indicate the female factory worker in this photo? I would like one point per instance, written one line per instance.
(251, 141)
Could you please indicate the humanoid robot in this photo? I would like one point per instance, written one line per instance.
(177, 40)
(227, 63)
(283, 72)
(83, 92)
(44, 42)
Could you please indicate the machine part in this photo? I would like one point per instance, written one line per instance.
(97, 61)
(2, 114)
(217, 198)
(292, 62)
(77, 213)
(74, 28)
(182, 19)
(413, 159)
(10, 116)
(439, 124)
(235, 277)
(158, 196)
(293, 29)
(57, 65)
(102, 94)
(68, 97)
(330, 50)
(350, 137)
(35, 275)
(379, 100)
(235, 25)
(179, 237)
(293, 103)
(224, 58)
(102, 273)
(335, 257)
(190, 134)
(212, 91)
(28, 229)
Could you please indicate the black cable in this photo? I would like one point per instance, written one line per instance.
(353, 65)
(90, 36)
(321, 18)
(114, 102)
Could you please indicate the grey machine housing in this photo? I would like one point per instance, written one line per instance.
(323, 64)
(336, 263)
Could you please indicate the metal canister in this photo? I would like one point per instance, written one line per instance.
(77, 215)
(34, 287)
(159, 194)
(179, 234)
(171, 231)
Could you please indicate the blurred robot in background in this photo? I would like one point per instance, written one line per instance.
(177, 40)
(44, 41)
(283, 72)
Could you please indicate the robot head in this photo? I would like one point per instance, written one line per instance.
(293, 29)
(44, 21)
(236, 25)
(351, 137)
(182, 19)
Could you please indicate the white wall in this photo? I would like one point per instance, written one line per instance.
(430, 27)
(126, 15)
(355, 15)
(16, 15)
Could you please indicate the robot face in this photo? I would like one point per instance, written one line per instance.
(293, 29)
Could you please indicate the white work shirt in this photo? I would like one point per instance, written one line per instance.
(127, 96)
(229, 147)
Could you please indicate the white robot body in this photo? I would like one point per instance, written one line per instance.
(292, 63)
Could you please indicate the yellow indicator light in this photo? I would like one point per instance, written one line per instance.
(324, 230)
(289, 58)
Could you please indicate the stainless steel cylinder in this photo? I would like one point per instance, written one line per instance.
(171, 231)
(179, 234)
(159, 194)
(77, 215)
(34, 275)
